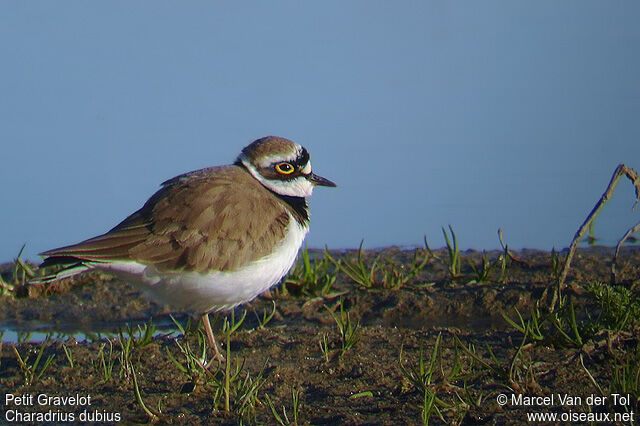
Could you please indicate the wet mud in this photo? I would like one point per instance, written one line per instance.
(295, 367)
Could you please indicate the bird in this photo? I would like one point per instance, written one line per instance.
(211, 239)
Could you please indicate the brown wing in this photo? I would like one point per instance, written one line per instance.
(218, 218)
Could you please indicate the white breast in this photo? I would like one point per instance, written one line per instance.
(215, 290)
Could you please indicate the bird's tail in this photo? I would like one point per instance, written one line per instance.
(72, 266)
(67, 272)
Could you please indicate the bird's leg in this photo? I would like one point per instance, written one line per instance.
(212, 341)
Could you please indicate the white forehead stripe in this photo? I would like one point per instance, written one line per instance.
(307, 168)
(270, 159)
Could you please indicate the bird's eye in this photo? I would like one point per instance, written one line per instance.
(284, 168)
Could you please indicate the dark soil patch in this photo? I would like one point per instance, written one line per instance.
(363, 385)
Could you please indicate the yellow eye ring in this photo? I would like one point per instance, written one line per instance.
(285, 168)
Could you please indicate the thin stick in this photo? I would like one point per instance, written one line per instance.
(590, 376)
(619, 171)
(511, 255)
(153, 417)
(630, 231)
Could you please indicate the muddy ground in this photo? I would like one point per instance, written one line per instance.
(479, 358)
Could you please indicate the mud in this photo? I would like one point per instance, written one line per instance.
(368, 383)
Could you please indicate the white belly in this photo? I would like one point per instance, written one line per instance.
(214, 290)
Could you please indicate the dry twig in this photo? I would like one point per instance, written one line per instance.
(513, 257)
(614, 261)
(619, 171)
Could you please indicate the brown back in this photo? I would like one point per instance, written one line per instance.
(218, 218)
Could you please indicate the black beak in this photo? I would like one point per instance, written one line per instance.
(319, 180)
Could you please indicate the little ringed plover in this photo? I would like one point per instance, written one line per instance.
(210, 239)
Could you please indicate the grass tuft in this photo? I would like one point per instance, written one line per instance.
(311, 278)
(32, 372)
(453, 251)
(382, 273)
(349, 331)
